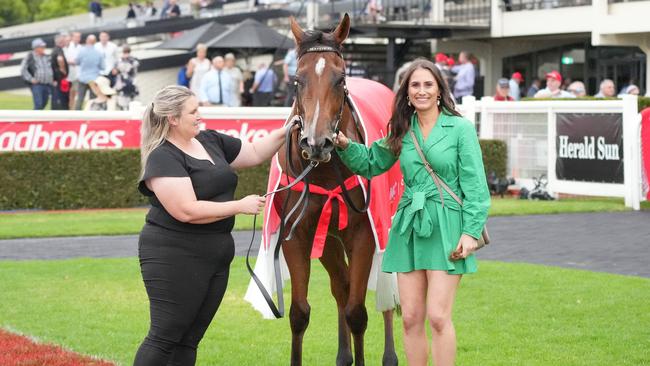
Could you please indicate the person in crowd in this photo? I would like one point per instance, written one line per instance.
(195, 7)
(534, 87)
(131, 12)
(630, 90)
(565, 83)
(174, 10)
(110, 54)
(95, 12)
(263, 87)
(432, 238)
(105, 96)
(186, 245)
(577, 88)
(237, 80)
(164, 10)
(149, 10)
(71, 52)
(247, 97)
(399, 76)
(197, 67)
(36, 71)
(441, 64)
(465, 76)
(607, 89)
(515, 80)
(374, 9)
(60, 71)
(552, 90)
(91, 64)
(289, 67)
(127, 69)
(216, 86)
(502, 92)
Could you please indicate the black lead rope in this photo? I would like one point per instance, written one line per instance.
(278, 311)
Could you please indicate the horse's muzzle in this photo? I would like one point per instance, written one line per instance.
(319, 149)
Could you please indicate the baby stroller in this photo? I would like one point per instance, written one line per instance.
(539, 192)
(498, 186)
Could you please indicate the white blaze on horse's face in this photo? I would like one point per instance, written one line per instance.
(320, 66)
(314, 123)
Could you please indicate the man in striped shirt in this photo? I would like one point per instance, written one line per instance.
(36, 70)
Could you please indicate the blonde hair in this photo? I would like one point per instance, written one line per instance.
(168, 102)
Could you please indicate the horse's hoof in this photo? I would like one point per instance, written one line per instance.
(390, 360)
(344, 360)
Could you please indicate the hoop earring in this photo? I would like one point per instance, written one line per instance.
(409, 101)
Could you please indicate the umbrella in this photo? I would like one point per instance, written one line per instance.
(189, 39)
(250, 37)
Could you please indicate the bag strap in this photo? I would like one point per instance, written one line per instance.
(436, 179)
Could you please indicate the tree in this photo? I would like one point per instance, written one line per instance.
(13, 12)
(58, 8)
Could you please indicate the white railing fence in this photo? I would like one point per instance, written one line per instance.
(529, 128)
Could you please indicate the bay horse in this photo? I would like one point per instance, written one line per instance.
(321, 107)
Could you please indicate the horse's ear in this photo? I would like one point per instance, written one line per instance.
(298, 33)
(343, 30)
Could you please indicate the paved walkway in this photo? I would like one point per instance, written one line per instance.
(605, 242)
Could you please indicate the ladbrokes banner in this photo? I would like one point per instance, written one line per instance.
(109, 134)
(589, 147)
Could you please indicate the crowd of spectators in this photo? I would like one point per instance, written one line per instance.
(557, 87)
(72, 69)
(220, 82)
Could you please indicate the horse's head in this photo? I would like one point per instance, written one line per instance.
(320, 87)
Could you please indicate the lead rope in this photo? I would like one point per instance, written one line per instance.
(278, 311)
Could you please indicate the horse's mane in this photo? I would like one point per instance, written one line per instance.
(317, 38)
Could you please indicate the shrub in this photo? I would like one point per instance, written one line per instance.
(108, 178)
(495, 156)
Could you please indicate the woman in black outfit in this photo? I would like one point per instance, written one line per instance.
(186, 246)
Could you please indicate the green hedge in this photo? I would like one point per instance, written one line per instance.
(107, 179)
(495, 156)
(85, 179)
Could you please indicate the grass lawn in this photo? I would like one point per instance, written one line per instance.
(15, 101)
(80, 223)
(129, 221)
(508, 314)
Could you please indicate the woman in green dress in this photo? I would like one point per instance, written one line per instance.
(430, 227)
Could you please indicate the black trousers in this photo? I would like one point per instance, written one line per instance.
(262, 99)
(185, 276)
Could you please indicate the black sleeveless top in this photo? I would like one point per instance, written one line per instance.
(211, 182)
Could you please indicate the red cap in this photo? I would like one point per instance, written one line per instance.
(517, 75)
(441, 57)
(554, 75)
(450, 61)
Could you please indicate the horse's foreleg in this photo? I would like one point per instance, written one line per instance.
(390, 356)
(355, 310)
(333, 260)
(298, 263)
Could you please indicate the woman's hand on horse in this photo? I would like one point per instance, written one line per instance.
(341, 141)
(252, 205)
(466, 246)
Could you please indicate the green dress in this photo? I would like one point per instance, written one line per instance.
(424, 232)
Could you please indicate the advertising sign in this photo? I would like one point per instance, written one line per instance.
(109, 134)
(589, 147)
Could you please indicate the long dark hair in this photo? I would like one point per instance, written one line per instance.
(400, 121)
